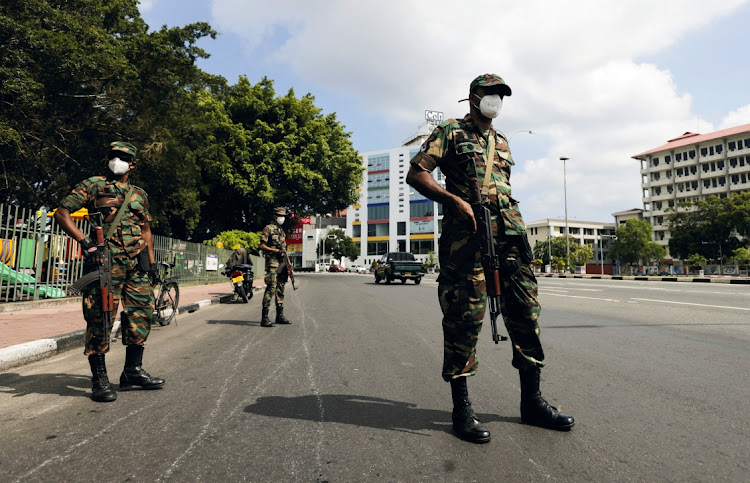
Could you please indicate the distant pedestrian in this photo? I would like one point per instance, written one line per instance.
(464, 149)
(132, 250)
(273, 245)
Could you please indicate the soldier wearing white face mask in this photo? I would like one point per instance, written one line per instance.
(273, 244)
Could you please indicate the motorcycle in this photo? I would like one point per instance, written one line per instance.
(242, 281)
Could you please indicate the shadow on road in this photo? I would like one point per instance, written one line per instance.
(61, 384)
(362, 411)
(234, 322)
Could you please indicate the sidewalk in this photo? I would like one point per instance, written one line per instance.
(34, 330)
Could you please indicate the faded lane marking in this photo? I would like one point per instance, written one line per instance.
(693, 304)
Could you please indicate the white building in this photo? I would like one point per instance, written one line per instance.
(597, 235)
(690, 168)
(391, 216)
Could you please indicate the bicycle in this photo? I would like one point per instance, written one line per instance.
(165, 308)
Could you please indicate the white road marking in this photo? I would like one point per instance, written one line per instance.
(578, 296)
(693, 304)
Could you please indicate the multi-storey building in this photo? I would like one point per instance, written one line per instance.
(595, 234)
(690, 168)
(391, 215)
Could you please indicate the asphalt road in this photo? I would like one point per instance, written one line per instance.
(655, 374)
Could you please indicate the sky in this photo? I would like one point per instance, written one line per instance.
(596, 81)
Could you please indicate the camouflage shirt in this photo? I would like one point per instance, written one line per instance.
(458, 148)
(104, 195)
(273, 236)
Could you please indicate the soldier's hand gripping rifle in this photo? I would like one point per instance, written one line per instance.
(102, 276)
(285, 261)
(490, 261)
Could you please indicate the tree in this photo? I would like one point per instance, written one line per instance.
(234, 239)
(696, 260)
(581, 255)
(740, 256)
(632, 243)
(264, 151)
(710, 227)
(656, 252)
(339, 245)
(559, 247)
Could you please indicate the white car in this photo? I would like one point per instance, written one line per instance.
(357, 269)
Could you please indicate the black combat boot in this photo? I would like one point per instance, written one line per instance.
(535, 410)
(465, 423)
(280, 319)
(101, 388)
(265, 321)
(133, 376)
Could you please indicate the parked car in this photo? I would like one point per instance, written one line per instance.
(336, 268)
(398, 266)
(357, 269)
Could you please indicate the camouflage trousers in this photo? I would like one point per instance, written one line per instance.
(134, 289)
(275, 283)
(463, 300)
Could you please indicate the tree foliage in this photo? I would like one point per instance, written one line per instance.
(559, 248)
(633, 242)
(581, 255)
(75, 76)
(233, 239)
(338, 245)
(710, 227)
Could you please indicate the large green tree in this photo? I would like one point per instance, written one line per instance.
(559, 248)
(633, 242)
(76, 75)
(267, 151)
(710, 227)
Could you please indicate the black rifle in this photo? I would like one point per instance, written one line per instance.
(102, 276)
(286, 262)
(490, 261)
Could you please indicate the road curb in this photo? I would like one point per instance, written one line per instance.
(20, 354)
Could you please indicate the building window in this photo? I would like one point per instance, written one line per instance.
(377, 229)
(667, 159)
(356, 231)
(421, 209)
(421, 247)
(731, 145)
(378, 162)
(401, 228)
(377, 248)
(719, 148)
(377, 211)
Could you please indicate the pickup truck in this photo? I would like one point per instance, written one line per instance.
(398, 266)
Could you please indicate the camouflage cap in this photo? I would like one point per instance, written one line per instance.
(489, 80)
(123, 146)
(279, 211)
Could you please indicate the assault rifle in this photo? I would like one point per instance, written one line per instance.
(102, 276)
(490, 261)
(285, 261)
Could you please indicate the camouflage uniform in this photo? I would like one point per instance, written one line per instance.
(132, 286)
(458, 148)
(274, 237)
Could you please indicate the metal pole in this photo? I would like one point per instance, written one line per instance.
(549, 247)
(601, 253)
(567, 233)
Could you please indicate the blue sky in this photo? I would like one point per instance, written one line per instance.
(596, 80)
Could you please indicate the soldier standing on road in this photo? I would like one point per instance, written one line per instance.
(273, 244)
(460, 149)
(132, 250)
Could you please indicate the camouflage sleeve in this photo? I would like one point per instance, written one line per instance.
(145, 214)
(282, 237)
(265, 235)
(433, 150)
(82, 195)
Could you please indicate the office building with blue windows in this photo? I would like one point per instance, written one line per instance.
(391, 216)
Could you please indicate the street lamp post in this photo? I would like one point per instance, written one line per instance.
(520, 130)
(567, 233)
(721, 257)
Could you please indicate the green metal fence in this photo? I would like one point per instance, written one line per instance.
(38, 260)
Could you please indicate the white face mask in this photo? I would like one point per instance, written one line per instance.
(490, 105)
(280, 220)
(118, 166)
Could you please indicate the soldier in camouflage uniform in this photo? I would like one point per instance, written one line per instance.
(132, 250)
(273, 243)
(460, 148)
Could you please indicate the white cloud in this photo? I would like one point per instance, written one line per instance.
(573, 67)
(737, 117)
(145, 5)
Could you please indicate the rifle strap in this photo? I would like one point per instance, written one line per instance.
(120, 213)
(489, 157)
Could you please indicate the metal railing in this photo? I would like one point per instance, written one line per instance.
(38, 260)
